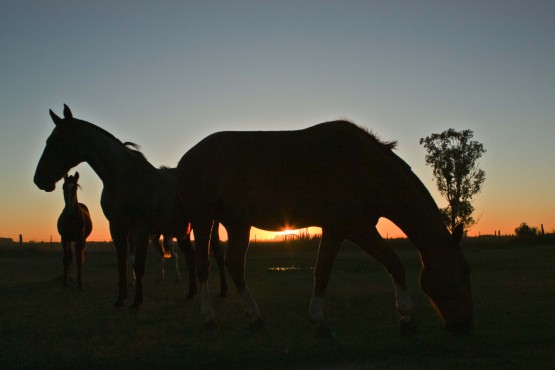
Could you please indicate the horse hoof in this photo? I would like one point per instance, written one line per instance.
(135, 306)
(324, 331)
(258, 325)
(407, 328)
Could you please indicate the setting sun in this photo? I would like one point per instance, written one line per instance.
(287, 232)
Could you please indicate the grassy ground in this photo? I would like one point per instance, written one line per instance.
(46, 325)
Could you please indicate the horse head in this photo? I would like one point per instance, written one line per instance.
(70, 189)
(447, 283)
(62, 152)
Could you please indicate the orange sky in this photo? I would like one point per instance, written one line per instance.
(45, 228)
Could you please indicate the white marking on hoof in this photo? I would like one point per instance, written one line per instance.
(403, 303)
(205, 307)
(250, 305)
(316, 311)
(131, 267)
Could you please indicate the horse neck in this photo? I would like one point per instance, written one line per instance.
(427, 232)
(111, 159)
(417, 215)
(72, 204)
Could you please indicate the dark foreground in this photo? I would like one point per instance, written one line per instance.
(46, 325)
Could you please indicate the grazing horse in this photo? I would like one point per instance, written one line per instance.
(137, 199)
(74, 226)
(334, 175)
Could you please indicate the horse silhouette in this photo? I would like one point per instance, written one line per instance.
(334, 175)
(137, 199)
(74, 226)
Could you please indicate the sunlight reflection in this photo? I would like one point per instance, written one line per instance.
(291, 268)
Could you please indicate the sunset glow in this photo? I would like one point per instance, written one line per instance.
(402, 71)
(286, 232)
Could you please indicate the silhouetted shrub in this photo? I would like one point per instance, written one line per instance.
(526, 234)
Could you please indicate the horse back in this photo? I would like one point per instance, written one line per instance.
(313, 175)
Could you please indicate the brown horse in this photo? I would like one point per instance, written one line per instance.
(74, 226)
(138, 199)
(334, 175)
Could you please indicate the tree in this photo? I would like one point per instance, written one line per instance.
(453, 156)
(525, 233)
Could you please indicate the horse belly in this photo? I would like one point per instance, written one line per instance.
(279, 206)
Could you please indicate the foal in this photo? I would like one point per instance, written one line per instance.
(74, 226)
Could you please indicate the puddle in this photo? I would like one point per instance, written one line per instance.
(291, 268)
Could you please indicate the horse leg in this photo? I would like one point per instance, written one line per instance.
(238, 243)
(131, 262)
(202, 262)
(175, 257)
(370, 241)
(79, 258)
(66, 246)
(327, 251)
(140, 240)
(163, 270)
(119, 236)
(218, 252)
(161, 249)
(188, 251)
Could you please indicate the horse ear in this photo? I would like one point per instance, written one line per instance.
(66, 177)
(458, 232)
(67, 112)
(57, 120)
(76, 176)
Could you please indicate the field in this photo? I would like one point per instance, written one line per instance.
(46, 325)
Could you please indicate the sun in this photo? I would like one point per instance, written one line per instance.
(286, 232)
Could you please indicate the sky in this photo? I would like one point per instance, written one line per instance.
(166, 74)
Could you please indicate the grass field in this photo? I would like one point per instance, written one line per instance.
(46, 325)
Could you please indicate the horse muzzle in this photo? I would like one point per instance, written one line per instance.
(44, 185)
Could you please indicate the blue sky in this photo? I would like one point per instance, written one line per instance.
(166, 74)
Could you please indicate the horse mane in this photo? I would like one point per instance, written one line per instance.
(133, 147)
(387, 145)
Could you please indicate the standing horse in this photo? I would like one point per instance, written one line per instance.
(334, 175)
(137, 199)
(74, 226)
